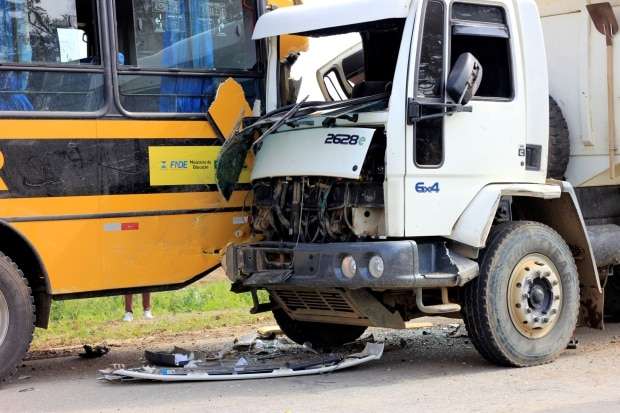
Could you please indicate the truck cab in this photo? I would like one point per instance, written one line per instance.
(425, 190)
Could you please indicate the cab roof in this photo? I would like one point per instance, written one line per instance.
(319, 16)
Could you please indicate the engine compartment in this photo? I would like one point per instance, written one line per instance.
(318, 209)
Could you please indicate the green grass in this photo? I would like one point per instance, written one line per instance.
(199, 307)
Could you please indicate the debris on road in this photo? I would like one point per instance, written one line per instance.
(412, 325)
(246, 359)
(457, 331)
(91, 352)
(269, 332)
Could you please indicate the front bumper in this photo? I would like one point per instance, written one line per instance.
(407, 265)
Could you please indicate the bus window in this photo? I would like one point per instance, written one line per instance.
(35, 36)
(211, 37)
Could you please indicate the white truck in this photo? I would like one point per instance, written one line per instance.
(441, 183)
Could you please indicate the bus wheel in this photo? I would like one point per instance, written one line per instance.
(17, 316)
(522, 310)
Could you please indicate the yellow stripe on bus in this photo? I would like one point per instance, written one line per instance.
(115, 204)
(104, 129)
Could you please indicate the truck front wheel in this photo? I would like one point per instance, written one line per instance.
(16, 316)
(320, 335)
(522, 310)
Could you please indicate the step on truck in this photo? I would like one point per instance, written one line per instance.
(468, 171)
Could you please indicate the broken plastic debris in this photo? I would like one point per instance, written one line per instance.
(91, 352)
(412, 325)
(269, 332)
(286, 361)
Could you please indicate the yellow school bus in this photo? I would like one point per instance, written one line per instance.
(112, 113)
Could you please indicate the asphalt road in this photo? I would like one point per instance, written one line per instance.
(422, 370)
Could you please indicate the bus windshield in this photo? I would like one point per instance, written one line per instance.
(186, 34)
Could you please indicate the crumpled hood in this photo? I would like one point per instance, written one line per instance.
(329, 152)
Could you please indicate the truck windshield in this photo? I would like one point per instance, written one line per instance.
(357, 63)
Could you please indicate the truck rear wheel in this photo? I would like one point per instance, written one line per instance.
(522, 310)
(320, 335)
(16, 316)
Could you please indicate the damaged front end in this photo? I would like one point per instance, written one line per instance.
(318, 208)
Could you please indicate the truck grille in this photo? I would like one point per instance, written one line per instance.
(326, 306)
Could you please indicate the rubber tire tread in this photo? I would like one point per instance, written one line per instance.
(559, 142)
(21, 324)
(475, 311)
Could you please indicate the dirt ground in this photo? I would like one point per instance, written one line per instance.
(423, 369)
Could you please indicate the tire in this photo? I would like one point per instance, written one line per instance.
(559, 142)
(507, 328)
(320, 335)
(612, 297)
(17, 317)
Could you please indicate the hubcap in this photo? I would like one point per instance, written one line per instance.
(4, 318)
(534, 296)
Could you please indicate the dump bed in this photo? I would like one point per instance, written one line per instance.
(577, 60)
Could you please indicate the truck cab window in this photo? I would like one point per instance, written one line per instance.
(483, 31)
(179, 36)
(430, 81)
(46, 33)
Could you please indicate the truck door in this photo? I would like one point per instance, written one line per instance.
(450, 159)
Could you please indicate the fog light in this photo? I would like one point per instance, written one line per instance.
(376, 266)
(349, 266)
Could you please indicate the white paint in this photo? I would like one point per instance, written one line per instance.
(473, 226)
(323, 15)
(482, 147)
(576, 56)
(305, 153)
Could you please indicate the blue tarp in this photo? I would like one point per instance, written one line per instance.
(14, 48)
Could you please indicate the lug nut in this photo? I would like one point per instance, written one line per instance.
(554, 312)
(536, 319)
(545, 320)
(529, 311)
(519, 285)
(557, 298)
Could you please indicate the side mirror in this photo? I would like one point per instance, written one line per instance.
(464, 79)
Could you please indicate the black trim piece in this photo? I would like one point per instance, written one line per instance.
(31, 67)
(533, 155)
(135, 290)
(136, 214)
(460, 29)
(123, 70)
(36, 168)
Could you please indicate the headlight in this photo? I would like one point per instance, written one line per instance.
(348, 266)
(376, 266)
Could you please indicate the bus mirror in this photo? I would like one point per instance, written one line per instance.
(464, 79)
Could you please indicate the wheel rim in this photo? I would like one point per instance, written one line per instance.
(4, 318)
(535, 296)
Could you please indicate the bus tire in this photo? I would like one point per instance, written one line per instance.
(320, 335)
(522, 309)
(17, 317)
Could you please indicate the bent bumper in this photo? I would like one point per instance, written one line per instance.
(407, 265)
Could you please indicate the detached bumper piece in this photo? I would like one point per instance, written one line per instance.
(383, 265)
(316, 364)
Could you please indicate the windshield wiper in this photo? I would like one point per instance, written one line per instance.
(281, 121)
